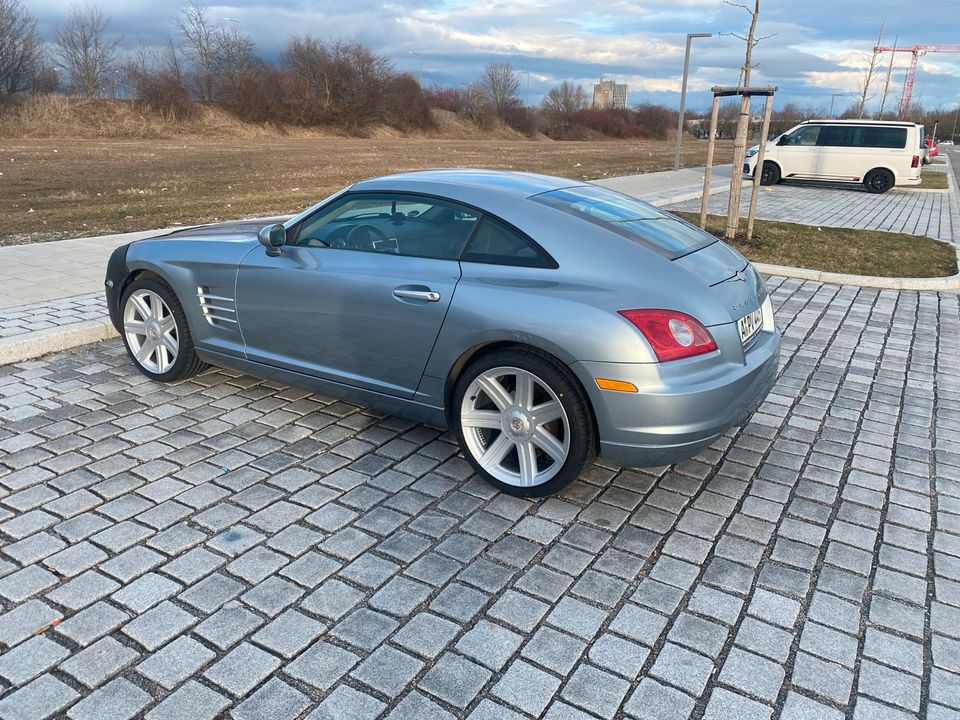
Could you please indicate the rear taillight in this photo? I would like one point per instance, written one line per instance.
(671, 333)
(915, 162)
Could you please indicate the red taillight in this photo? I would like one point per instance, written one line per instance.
(915, 162)
(671, 333)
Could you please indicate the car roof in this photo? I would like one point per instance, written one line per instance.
(507, 182)
(896, 123)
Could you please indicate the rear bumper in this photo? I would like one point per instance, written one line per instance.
(673, 418)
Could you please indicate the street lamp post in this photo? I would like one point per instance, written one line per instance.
(833, 97)
(420, 62)
(683, 94)
(956, 117)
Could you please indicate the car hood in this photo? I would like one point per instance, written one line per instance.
(226, 229)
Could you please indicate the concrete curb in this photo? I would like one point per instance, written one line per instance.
(888, 283)
(694, 195)
(43, 342)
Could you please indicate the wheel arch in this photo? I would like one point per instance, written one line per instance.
(485, 348)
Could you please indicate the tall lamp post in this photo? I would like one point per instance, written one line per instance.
(683, 94)
(833, 97)
(420, 61)
(956, 117)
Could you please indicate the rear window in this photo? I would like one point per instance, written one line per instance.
(630, 218)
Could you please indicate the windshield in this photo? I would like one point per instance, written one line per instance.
(630, 218)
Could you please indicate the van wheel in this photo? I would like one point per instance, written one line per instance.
(770, 175)
(878, 181)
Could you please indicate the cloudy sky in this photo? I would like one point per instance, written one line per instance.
(816, 47)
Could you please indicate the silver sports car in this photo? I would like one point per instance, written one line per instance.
(543, 320)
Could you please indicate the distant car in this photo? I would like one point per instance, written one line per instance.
(878, 154)
(542, 319)
(945, 142)
(932, 150)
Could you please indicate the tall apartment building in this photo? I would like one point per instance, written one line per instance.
(609, 94)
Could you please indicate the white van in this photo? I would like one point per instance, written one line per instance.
(877, 153)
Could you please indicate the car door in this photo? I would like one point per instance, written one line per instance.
(359, 292)
(799, 152)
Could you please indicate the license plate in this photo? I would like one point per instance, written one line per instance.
(750, 324)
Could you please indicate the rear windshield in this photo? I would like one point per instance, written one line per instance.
(630, 218)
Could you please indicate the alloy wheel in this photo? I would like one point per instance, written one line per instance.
(515, 426)
(151, 331)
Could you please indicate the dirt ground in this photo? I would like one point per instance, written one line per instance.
(52, 189)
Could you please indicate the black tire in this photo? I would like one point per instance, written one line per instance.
(186, 363)
(561, 381)
(770, 175)
(878, 181)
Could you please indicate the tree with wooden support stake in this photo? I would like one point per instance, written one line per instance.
(739, 150)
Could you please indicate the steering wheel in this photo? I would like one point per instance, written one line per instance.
(363, 237)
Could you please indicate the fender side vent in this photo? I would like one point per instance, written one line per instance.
(219, 310)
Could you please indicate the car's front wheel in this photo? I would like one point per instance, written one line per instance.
(770, 174)
(155, 331)
(523, 422)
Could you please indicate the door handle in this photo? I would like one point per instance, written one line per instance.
(407, 294)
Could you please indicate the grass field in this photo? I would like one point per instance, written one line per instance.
(58, 188)
(842, 250)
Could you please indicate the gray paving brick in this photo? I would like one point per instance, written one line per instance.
(289, 634)
(92, 623)
(192, 700)
(322, 665)
(526, 688)
(118, 699)
(176, 662)
(39, 700)
(455, 680)
(725, 704)
(158, 625)
(388, 671)
(274, 701)
(228, 625)
(652, 701)
(22, 621)
(595, 690)
(242, 669)
(682, 668)
(94, 665)
(345, 703)
(30, 659)
(752, 674)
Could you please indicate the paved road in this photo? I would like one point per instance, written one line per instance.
(229, 543)
(934, 213)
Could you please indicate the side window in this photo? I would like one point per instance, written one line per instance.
(805, 136)
(833, 136)
(886, 137)
(395, 224)
(497, 244)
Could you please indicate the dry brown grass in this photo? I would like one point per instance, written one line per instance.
(93, 186)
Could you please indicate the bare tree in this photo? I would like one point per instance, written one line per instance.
(200, 44)
(20, 49)
(750, 39)
(873, 61)
(886, 84)
(84, 50)
(561, 102)
(500, 84)
(234, 57)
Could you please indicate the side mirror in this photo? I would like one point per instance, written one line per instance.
(784, 139)
(272, 237)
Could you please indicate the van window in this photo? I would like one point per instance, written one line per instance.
(804, 136)
(862, 136)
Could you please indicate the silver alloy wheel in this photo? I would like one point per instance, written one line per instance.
(151, 331)
(515, 426)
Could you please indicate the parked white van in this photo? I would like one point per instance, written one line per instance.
(877, 153)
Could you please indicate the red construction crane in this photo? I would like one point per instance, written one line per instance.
(917, 51)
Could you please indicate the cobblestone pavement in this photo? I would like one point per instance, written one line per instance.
(932, 213)
(233, 547)
(24, 319)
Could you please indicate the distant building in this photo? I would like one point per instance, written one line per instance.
(609, 94)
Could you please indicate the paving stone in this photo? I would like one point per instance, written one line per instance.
(176, 662)
(345, 703)
(725, 704)
(455, 680)
(242, 669)
(42, 698)
(752, 674)
(274, 701)
(158, 625)
(322, 665)
(289, 634)
(94, 665)
(682, 668)
(118, 699)
(388, 671)
(24, 620)
(195, 701)
(526, 688)
(30, 659)
(554, 650)
(416, 706)
(92, 623)
(595, 690)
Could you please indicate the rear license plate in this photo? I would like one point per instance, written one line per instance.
(749, 325)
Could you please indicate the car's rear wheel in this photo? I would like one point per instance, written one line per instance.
(523, 422)
(878, 181)
(770, 175)
(155, 331)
